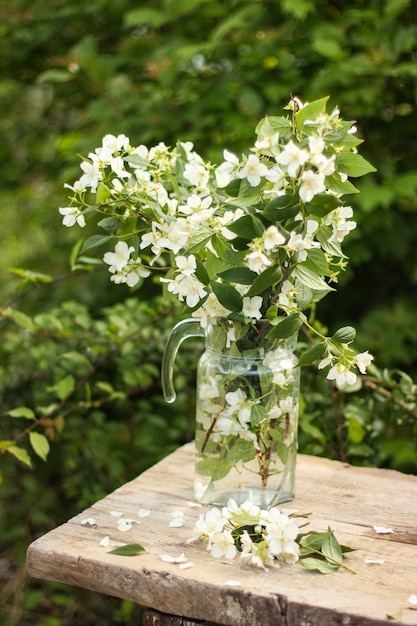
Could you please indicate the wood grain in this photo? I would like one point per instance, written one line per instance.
(350, 500)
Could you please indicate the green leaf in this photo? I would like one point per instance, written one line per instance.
(236, 20)
(312, 354)
(29, 275)
(21, 319)
(102, 193)
(109, 224)
(241, 450)
(247, 227)
(340, 187)
(55, 76)
(346, 334)
(332, 247)
(201, 273)
(316, 563)
(139, 17)
(317, 262)
(226, 252)
(353, 164)
(214, 468)
(199, 239)
(228, 296)
(239, 275)
(22, 411)
(271, 276)
(322, 204)
(282, 208)
(286, 328)
(40, 445)
(331, 548)
(310, 279)
(131, 549)
(311, 111)
(395, 615)
(20, 454)
(94, 241)
(65, 386)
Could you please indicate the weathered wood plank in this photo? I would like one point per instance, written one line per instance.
(350, 500)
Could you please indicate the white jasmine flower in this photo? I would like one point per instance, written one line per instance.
(327, 167)
(267, 142)
(340, 223)
(227, 170)
(293, 158)
(187, 288)
(312, 183)
(341, 375)
(287, 296)
(328, 360)
(118, 166)
(252, 307)
(119, 258)
(197, 174)
(115, 144)
(223, 545)
(186, 265)
(92, 175)
(316, 146)
(253, 170)
(72, 215)
(196, 205)
(273, 238)
(176, 235)
(258, 261)
(209, 524)
(362, 361)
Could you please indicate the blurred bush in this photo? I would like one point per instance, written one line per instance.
(84, 355)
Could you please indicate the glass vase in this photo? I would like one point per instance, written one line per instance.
(246, 412)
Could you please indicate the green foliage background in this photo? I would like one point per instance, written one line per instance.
(204, 71)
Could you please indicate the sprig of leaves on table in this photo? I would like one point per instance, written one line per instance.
(322, 552)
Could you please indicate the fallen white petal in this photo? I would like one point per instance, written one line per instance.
(105, 541)
(374, 561)
(233, 583)
(173, 559)
(124, 524)
(88, 521)
(412, 600)
(382, 531)
(185, 565)
(194, 504)
(176, 523)
(116, 513)
(144, 513)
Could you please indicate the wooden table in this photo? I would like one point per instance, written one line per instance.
(349, 499)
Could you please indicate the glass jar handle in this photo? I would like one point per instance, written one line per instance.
(181, 331)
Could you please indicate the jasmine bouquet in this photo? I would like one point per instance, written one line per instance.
(257, 237)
